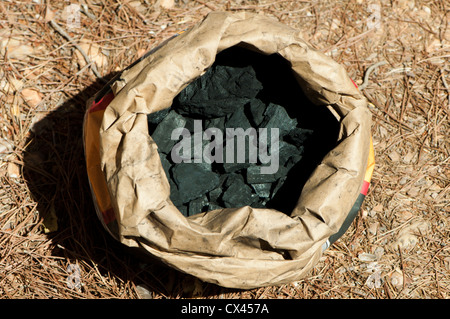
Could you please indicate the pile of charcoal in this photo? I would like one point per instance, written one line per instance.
(194, 135)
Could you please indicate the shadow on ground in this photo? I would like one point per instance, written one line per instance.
(54, 168)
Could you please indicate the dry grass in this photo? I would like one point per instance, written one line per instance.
(398, 247)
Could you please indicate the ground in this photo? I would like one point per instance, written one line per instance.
(51, 242)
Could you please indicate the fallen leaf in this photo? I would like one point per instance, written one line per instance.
(378, 208)
(13, 170)
(407, 238)
(5, 147)
(404, 215)
(94, 53)
(166, 4)
(31, 96)
(15, 47)
(394, 156)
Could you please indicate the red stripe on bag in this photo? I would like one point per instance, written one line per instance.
(365, 188)
(108, 216)
(103, 103)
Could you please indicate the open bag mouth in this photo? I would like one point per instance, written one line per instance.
(240, 243)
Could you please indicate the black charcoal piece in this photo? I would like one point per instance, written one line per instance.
(217, 122)
(277, 186)
(237, 193)
(256, 109)
(286, 151)
(193, 180)
(220, 91)
(198, 205)
(184, 209)
(162, 133)
(165, 163)
(238, 119)
(275, 116)
(213, 206)
(175, 195)
(262, 190)
(215, 194)
(156, 117)
(254, 175)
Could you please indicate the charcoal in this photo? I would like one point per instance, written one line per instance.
(286, 151)
(213, 206)
(254, 176)
(275, 116)
(156, 117)
(238, 193)
(217, 122)
(198, 205)
(220, 91)
(214, 195)
(184, 209)
(163, 131)
(234, 97)
(193, 180)
(165, 163)
(238, 119)
(263, 190)
(256, 109)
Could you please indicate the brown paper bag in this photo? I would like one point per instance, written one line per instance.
(244, 247)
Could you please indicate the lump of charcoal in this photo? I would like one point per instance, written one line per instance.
(287, 151)
(237, 193)
(262, 190)
(198, 205)
(217, 122)
(213, 206)
(238, 119)
(193, 180)
(184, 209)
(275, 116)
(220, 91)
(254, 175)
(232, 165)
(163, 131)
(156, 117)
(255, 110)
(165, 164)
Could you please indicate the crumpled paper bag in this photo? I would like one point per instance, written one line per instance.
(236, 247)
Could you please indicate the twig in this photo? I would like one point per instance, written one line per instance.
(69, 38)
(446, 86)
(370, 70)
